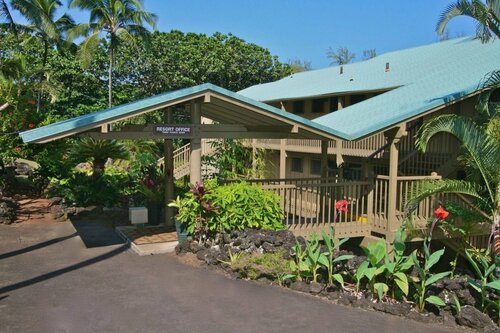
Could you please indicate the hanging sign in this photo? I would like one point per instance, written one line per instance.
(173, 129)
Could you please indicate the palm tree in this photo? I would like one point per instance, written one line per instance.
(5, 15)
(481, 156)
(118, 20)
(98, 151)
(340, 57)
(486, 15)
(43, 25)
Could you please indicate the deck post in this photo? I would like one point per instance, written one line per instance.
(368, 176)
(168, 162)
(195, 158)
(324, 175)
(254, 158)
(282, 159)
(394, 135)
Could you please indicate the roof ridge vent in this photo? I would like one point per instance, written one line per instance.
(387, 68)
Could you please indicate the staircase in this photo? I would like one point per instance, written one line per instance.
(182, 158)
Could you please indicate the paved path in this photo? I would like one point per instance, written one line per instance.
(50, 282)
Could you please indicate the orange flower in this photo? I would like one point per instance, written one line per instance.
(441, 213)
(31, 125)
(341, 205)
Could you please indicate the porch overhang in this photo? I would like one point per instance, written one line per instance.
(236, 116)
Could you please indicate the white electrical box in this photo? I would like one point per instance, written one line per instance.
(138, 215)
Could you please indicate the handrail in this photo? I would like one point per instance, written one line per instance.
(431, 177)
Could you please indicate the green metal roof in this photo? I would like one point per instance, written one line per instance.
(92, 120)
(421, 79)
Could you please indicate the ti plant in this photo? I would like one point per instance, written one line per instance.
(426, 278)
(333, 245)
(486, 281)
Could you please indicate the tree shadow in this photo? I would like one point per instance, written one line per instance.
(96, 233)
(36, 246)
(64, 270)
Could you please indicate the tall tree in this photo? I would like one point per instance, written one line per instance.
(44, 25)
(298, 65)
(340, 57)
(369, 54)
(486, 14)
(117, 20)
(6, 15)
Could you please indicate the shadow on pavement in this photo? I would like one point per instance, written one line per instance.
(96, 234)
(36, 246)
(64, 270)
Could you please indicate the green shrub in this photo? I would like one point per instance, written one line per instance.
(212, 208)
(82, 190)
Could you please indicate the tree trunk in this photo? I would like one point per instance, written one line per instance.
(110, 71)
(42, 74)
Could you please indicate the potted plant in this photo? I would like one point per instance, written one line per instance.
(180, 226)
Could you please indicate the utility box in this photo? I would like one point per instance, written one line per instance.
(138, 215)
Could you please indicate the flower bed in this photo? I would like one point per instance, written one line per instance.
(279, 258)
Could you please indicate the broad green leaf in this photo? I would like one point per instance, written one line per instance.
(402, 282)
(343, 257)
(360, 272)
(436, 277)
(494, 285)
(475, 284)
(435, 300)
(381, 289)
(339, 278)
(370, 273)
(323, 260)
(433, 259)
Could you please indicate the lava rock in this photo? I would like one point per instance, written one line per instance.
(268, 247)
(397, 309)
(316, 288)
(182, 247)
(300, 286)
(471, 317)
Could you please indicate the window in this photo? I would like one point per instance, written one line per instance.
(298, 107)
(315, 167)
(297, 165)
(357, 98)
(318, 105)
(334, 103)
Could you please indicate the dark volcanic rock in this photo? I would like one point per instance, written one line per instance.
(8, 209)
(472, 317)
(300, 286)
(316, 288)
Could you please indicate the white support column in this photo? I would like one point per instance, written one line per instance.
(169, 172)
(195, 159)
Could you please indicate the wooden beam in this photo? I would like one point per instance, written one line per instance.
(205, 135)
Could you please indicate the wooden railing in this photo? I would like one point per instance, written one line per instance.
(182, 157)
(364, 147)
(309, 205)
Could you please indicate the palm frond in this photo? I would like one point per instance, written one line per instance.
(490, 83)
(435, 187)
(484, 152)
(87, 49)
(6, 15)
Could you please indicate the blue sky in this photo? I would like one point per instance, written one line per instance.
(306, 29)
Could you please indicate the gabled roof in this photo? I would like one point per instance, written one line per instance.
(421, 79)
(225, 105)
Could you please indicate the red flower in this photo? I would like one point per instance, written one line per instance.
(341, 205)
(441, 214)
(17, 148)
(31, 125)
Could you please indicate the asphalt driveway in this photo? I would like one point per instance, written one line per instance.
(51, 282)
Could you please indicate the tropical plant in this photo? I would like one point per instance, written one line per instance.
(44, 25)
(341, 56)
(425, 278)
(98, 152)
(6, 16)
(486, 280)
(486, 14)
(298, 264)
(481, 156)
(373, 267)
(118, 20)
(333, 247)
